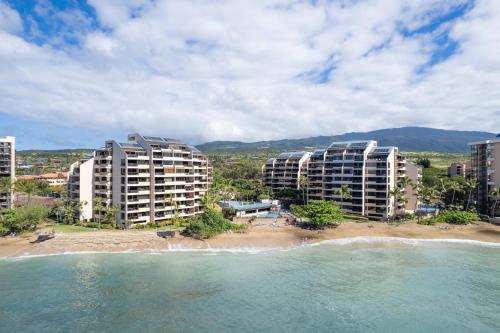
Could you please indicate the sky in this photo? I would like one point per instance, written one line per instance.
(76, 73)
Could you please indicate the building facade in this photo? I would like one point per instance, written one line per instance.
(147, 179)
(285, 171)
(7, 168)
(52, 178)
(485, 168)
(462, 169)
(369, 173)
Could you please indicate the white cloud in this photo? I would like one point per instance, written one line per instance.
(9, 19)
(206, 70)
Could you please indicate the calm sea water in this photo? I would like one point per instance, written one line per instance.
(381, 287)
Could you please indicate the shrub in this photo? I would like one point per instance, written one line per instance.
(452, 217)
(208, 224)
(456, 217)
(23, 218)
(409, 216)
(92, 225)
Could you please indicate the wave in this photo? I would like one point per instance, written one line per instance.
(257, 250)
(402, 240)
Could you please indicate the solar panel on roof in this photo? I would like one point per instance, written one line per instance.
(153, 138)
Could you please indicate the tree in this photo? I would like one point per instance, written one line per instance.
(6, 187)
(110, 215)
(303, 187)
(28, 187)
(471, 185)
(99, 208)
(23, 218)
(398, 195)
(495, 195)
(208, 224)
(320, 213)
(454, 187)
(345, 193)
(424, 162)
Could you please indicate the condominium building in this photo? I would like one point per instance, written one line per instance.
(414, 173)
(80, 186)
(7, 167)
(285, 171)
(147, 179)
(485, 168)
(369, 173)
(461, 169)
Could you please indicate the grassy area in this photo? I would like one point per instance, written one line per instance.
(65, 228)
(438, 160)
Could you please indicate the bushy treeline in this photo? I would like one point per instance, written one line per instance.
(210, 224)
(25, 218)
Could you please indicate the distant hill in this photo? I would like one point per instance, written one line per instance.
(55, 151)
(406, 138)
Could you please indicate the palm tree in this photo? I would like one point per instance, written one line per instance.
(471, 186)
(303, 186)
(442, 188)
(27, 187)
(99, 207)
(345, 193)
(455, 187)
(495, 194)
(6, 187)
(397, 193)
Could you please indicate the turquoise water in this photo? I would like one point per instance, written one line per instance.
(360, 287)
(269, 215)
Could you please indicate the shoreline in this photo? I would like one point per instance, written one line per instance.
(258, 239)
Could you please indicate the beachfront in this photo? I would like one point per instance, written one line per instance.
(260, 236)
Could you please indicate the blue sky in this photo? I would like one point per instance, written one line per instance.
(75, 73)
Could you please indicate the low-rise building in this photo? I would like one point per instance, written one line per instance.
(252, 209)
(52, 178)
(7, 168)
(285, 171)
(485, 168)
(462, 169)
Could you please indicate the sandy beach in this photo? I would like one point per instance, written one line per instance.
(258, 237)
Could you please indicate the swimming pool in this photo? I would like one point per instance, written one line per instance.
(269, 215)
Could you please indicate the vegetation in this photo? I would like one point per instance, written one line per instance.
(406, 138)
(320, 214)
(25, 218)
(210, 224)
(452, 217)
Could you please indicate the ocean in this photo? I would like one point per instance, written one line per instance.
(357, 285)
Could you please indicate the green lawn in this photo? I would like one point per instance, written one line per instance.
(64, 228)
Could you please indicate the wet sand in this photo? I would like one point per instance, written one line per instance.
(258, 237)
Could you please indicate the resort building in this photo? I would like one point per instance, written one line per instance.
(414, 173)
(366, 172)
(462, 169)
(7, 168)
(264, 208)
(485, 168)
(80, 186)
(147, 179)
(52, 178)
(285, 171)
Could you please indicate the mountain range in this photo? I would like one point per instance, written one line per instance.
(406, 138)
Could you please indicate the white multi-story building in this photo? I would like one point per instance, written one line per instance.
(485, 168)
(369, 173)
(285, 171)
(80, 186)
(148, 179)
(7, 167)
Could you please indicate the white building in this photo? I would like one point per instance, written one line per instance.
(7, 167)
(146, 179)
(369, 172)
(80, 186)
(285, 171)
(485, 168)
